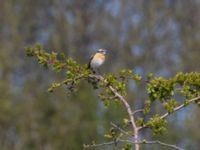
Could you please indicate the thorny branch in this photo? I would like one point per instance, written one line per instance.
(132, 119)
(175, 110)
(128, 108)
(131, 114)
(181, 106)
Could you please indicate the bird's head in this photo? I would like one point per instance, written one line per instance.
(102, 51)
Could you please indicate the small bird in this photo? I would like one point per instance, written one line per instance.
(97, 60)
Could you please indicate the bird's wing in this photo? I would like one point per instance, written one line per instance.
(89, 63)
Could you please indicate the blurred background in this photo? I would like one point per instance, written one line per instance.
(159, 36)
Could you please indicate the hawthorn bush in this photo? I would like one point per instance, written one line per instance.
(113, 87)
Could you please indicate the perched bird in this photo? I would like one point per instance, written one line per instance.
(97, 60)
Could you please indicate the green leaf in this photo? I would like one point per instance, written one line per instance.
(106, 103)
(126, 121)
(29, 52)
(144, 141)
(127, 146)
(157, 124)
(170, 105)
(108, 136)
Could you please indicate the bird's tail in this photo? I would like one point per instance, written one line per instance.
(89, 66)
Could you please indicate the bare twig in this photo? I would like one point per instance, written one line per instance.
(120, 129)
(98, 145)
(165, 144)
(137, 111)
(154, 142)
(175, 110)
(181, 106)
(139, 142)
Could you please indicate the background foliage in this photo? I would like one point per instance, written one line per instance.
(146, 36)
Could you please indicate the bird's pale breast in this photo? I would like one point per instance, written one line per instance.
(97, 60)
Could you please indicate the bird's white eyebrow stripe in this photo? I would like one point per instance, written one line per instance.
(101, 50)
